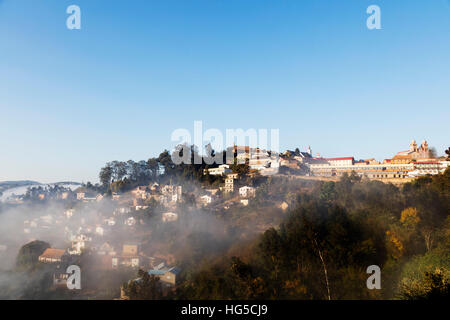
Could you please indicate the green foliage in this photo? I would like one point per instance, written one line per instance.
(335, 232)
(146, 287)
(435, 285)
(27, 258)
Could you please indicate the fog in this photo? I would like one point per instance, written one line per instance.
(194, 236)
(11, 193)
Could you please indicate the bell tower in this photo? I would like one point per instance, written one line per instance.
(413, 146)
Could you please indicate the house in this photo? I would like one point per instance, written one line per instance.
(220, 170)
(110, 221)
(229, 185)
(232, 175)
(169, 216)
(130, 221)
(290, 163)
(140, 192)
(212, 191)
(205, 200)
(172, 194)
(91, 197)
(115, 196)
(157, 263)
(51, 255)
(122, 210)
(166, 276)
(155, 187)
(283, 206)
(130, 249)
(69, 213)
(80, 195)
(79, 243)
(99, 230)
(241, 154)
(247, 192)
(244, 202)
(129, 257)
(60, 279)
(304, 157)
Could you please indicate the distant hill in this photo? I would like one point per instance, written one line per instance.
(5, 185)
(20, 187)
(21, 183)
(11, 184)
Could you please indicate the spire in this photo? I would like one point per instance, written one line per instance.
(413, 146)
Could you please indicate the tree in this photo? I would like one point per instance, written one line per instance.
(448, 154)
(105, 175)
(153, 166)
(146, 287)
(434, 286)
(27, 258)
(410, 217)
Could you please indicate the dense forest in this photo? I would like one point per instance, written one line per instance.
(324, 245)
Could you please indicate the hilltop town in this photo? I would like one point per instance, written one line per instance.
(141, 215)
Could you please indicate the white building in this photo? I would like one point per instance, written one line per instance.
(205, 200)
(169, 216)
(244, 202)
(79, 243)
(130, 221)
(247, 192)
(69, 213)
(110, 221)
(100, 231)
(220, 170)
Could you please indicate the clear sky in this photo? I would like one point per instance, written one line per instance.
(71, 100)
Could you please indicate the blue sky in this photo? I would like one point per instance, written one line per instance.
(71, 100)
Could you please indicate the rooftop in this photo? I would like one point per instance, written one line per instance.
(52, 253)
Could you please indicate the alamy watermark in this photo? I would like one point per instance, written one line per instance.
(374, 20)
(74, 20)
(232, 142)
(374, 281)
(74, 279)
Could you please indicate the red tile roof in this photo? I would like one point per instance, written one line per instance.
(52, 253)
(344, 158)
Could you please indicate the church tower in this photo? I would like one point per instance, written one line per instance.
(413, 146)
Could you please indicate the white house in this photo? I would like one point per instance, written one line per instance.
(122, 210)
(220, 170)
(79, 243)
(69, 213)
(205, 200)
(130, 221)
(99, 230)
(80, 195)
(169, 216)
(110, 221)
(247, 192)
